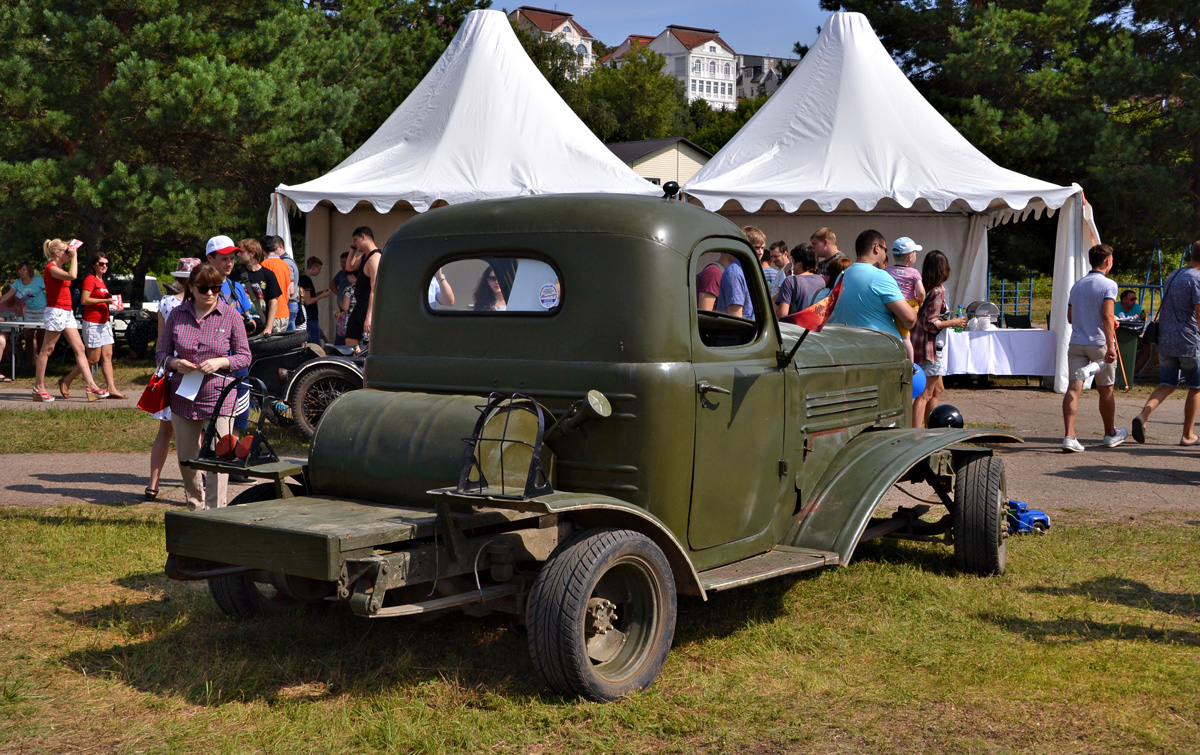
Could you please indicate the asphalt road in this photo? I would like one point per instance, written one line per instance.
(1098, 483)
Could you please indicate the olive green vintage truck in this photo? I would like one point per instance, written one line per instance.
(590, 449)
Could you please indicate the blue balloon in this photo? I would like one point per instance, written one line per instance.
(918, 380)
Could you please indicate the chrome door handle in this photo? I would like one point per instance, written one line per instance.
(704, 387)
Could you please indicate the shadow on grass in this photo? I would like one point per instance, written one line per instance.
(210, 660)
(1129, 592)
(1076, 631)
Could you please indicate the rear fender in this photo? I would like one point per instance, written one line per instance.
(590, 510)
(835, 513)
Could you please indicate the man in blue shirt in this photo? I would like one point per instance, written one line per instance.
(870, 297)
(220, 251)
(1178, 348)
(735, 298)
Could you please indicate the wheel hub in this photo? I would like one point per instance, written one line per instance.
(604, 640)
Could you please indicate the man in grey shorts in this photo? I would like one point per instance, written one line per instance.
(1178, 348)
(1093, 347)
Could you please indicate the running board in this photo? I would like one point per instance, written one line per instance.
(780, 560)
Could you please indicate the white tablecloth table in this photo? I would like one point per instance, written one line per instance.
(15, 328)
(1006, 351)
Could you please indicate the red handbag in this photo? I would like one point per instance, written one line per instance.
(157, 395)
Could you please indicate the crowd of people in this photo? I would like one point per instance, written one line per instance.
(205, 326)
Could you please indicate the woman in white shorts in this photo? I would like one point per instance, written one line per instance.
(166, 431)
(62, 267)
(97, 326)
(933, 318)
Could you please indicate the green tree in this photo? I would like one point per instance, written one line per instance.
(144, 126)
(713, 128)
(637, 100)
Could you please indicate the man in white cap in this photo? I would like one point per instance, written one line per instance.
(220, 252)
(908, 278)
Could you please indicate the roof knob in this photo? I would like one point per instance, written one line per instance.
(670, 189)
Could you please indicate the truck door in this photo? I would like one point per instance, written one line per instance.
(736, 481)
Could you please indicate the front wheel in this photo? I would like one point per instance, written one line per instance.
(315, 391)
(601, 615)
(981, 507)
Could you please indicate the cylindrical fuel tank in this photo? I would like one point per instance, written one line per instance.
(391, 447)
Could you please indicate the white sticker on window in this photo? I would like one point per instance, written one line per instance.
(549, 296)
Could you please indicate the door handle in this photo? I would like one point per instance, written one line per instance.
(704, 387)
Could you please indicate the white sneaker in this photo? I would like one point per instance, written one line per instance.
(1112, 441)
(1072, 445)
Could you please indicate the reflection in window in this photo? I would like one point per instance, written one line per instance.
(497, 284)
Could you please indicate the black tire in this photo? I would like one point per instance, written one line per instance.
(601, 615)
(246, 595)
(1040, 527)
(316, 390)
(980, 517)
(278, 344)
(138, 335)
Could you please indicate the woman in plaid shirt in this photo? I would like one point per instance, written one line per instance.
(207, 335)
(932, 319)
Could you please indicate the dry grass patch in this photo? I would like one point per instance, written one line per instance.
(1090, 643)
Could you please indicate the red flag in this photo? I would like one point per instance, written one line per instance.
(814, 318)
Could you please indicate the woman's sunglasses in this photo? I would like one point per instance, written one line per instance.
(207, 289)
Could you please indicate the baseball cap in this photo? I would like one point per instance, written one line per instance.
(905, 245)
(220, 245)
(185, 267)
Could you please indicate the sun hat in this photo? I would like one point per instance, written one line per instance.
(220, 245)
(905, 245)
(185, 267)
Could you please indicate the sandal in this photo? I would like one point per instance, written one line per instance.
(114, 394)
(42, 396)
(4, 379)
(95, 394)
(151, 494)
(63, 389)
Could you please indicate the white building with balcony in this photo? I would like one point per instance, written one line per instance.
(561, 26)
(707, 66)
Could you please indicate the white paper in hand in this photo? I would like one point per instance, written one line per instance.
(189, 386)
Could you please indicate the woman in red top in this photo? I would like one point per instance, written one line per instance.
(97, 327)
(62, 268)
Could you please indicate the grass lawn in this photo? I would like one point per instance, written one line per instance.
(1089, 644)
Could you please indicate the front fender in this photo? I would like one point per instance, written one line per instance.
(592, 510)
(339, 361)
(837, 510)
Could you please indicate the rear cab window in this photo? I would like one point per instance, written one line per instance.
(492, 285)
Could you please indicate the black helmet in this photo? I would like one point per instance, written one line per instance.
(945, 415)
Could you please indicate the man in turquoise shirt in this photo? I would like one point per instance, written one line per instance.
(870, 297)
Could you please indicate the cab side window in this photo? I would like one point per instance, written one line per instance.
(731, 298)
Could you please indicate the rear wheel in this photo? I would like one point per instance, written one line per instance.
(250, 594)
(601, 615)
(316, 390)
(980, 530)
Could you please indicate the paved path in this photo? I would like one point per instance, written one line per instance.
(1107, 483)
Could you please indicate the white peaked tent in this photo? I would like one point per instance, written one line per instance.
(483, 123)
(847, 142)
